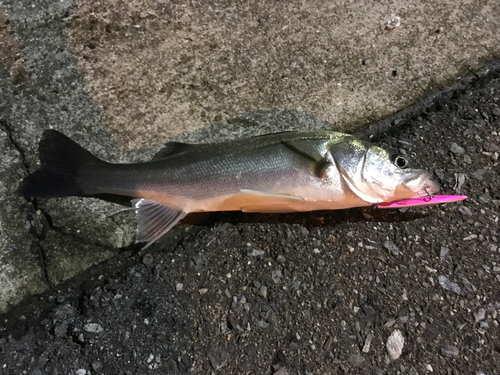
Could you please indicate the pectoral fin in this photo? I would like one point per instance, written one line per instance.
(155, 220)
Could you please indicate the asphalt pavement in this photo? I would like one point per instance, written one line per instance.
(360, 291)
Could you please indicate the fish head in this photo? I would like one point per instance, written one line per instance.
(375, 175)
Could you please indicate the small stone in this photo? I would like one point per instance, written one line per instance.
(93, 328)
(395, 344)
(262, 291)
(491, 147)
(147, 259)
(303, 230)
(355, 359)
(469, 286)
(293, 346)
(405, 295)
(428, 367)
(328, 344)
(456, 149)
(80, 371)
(465, 210)
(449, 351)
(200, 260)
(459, 181)
(479, 315)
(281, 371)
(389, 245)
(484, 325)
(280, 259)
(444, 251)
(276, 276)
(467, 159)
(484, 199)
(448, 285)
(61, 329)
(392, 22)
(470, 237)
(96, 365)
(390, 323)
(179, 287)
(368, 341)
(255, 253)
(218, 357)
(478, 175)
(262, 324)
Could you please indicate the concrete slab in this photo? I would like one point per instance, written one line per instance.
(21, 274)
(123, 75)
(159, 69)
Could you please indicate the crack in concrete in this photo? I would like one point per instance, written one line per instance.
(78, 239)
(38, 237)
(8, 131)
(46, 222)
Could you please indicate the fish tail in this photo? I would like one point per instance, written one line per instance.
(61, 159)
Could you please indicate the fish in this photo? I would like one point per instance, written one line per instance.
(280, 172)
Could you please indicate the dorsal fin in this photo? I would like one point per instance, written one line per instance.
(173, 148)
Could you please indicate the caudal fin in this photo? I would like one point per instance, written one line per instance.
(61, 159)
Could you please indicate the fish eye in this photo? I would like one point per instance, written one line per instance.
(401, 161)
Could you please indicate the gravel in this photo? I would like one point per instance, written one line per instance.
(448, 285)
(395, 344)
(147, 259)
(479, 315)
(449, 351)
(456, 149)
(93, 328)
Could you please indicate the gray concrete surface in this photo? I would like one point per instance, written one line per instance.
(125, 75)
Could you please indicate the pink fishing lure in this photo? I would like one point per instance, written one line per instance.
(422, 201)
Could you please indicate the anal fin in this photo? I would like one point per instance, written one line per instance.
(154, 220)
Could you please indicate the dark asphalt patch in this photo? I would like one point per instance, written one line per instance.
(300, 294)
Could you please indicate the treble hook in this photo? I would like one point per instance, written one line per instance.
(430, 195)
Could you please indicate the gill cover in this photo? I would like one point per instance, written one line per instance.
(366, 169)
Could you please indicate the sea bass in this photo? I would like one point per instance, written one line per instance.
(282, 172)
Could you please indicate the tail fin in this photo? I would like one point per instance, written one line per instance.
(61, 159)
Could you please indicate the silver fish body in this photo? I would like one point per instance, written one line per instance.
(292, 171)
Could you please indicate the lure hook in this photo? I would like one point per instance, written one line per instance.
(430, 195)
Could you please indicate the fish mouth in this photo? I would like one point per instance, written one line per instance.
(421, 183)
